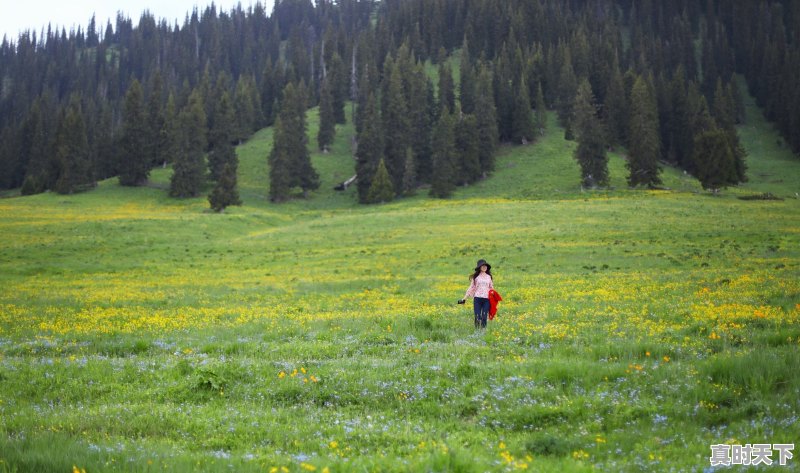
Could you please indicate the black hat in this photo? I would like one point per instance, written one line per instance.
(482, 262)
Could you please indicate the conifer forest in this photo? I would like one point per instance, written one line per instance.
(658, 79)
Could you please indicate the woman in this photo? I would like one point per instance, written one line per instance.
(480, 285)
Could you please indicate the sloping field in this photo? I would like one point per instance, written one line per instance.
(140, 333)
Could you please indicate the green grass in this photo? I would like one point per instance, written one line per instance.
(142, 333)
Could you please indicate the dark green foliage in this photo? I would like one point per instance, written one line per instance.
(134, 164)
(616, 110)
(188, 173)
(591, 150)
(279, 162)
(396, 126)
(290, 160)
(247, 103)
(327, 119)
(447, 92)
(522, 121)
(421, 110)
(541, 108)
(225, 192)
(644, 147)
(468, 166)
(340, 86)
(220, 136)
(381, 189)
(486, 121)
(156, 140)
(547, 44)
(409, 174)
(370, 148)
(467, 86)
(72, 152)
(714, 160)
(443, 180)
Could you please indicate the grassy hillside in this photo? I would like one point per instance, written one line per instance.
(142, 333)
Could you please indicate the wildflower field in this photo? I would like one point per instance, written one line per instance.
(140, 333)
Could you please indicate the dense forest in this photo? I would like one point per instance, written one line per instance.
(656, 78)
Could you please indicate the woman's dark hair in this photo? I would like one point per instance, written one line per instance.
(478, 273)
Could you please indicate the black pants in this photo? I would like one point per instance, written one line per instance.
(481, 305)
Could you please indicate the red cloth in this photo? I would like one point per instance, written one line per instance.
(494, 298)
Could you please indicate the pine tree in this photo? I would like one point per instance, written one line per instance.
(714, 160)
(134, 163)
(171, 131)
(225, 193)
(443, 149)
(188, 173)
(409, 173)
(616, 110)
(304, 175)
(467, 144)
(466, 86)
(279, 164)
(523, 126)
(72, 152)
(290, 160)
(156, 141)
(447, 94)
(396, 127)
(421, 111)
(220, 136)
(339, 86)
(370, 148)
(644, 148)
(567, 87)
(486, 121)
(541, 109)
(327, 119)
(591, 151)
(381, 189)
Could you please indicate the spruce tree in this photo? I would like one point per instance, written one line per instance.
(591, 150)
(443, 180)
(714, 160)
(279, 160)
(541, 109)
(134, 162)
(327, 118)
(303, 174)
(421, 108)
(225, 192)
(396, 127)
(447, 94)
(381, 189)
(188, 173)
(486, 121)
(72, 152)
(467, 90)
(467, 143)
(370, 148)
(220, 136)
(409, 173)
(290, 160)
(156, 141)
(616, 110)
(172, 130)
(522, 121)
(644, 148)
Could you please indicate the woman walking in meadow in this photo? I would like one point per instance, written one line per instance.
(481, 284)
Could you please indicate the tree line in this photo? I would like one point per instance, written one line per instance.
(656, 78)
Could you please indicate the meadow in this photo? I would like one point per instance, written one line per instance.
(142, 333)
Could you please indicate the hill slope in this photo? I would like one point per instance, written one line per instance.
(141, 332)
